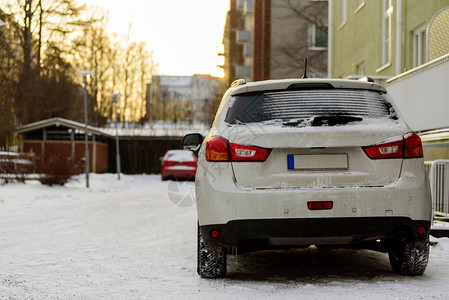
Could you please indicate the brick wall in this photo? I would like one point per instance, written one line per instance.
(262, 39)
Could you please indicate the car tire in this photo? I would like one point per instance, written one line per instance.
(211, 263)
(409, 258)
(164, 178)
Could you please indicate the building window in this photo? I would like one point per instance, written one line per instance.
(386, 32)
(419, 46)
(317, 38)
(240, 4)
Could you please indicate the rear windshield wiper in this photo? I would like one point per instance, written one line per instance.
(333, 120)
(292, 123)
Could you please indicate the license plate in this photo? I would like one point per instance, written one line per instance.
(317, 162)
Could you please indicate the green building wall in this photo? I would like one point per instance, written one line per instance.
(359, 39)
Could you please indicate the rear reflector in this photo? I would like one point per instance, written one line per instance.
(422, 229)
(320, 205)
(169, 163)
(408, 146)
(214, 233)
(219, 149)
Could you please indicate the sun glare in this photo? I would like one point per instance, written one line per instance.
(186, 36)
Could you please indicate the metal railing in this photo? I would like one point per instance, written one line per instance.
(438, 172)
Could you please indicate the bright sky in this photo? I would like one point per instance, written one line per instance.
(185, 35)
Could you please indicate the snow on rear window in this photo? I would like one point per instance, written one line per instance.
(181, 156)
(319, 107)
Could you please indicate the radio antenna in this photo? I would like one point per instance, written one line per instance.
(305, 69)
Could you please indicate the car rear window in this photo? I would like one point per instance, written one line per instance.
(309, 107)
(181, 156)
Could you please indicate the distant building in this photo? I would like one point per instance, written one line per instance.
(268, 39)
(182, 98)
(385, 38)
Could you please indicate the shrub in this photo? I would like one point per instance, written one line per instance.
(57, 170)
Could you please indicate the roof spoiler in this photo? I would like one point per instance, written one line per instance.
(238, 82)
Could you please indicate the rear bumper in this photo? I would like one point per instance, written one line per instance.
(317, 231)
(220, 200)
(179, 173)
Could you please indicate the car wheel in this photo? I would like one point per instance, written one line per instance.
(164, 178)
(409, 258)
(211, 263)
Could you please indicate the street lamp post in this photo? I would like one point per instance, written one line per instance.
(86, 139)
(114, 100)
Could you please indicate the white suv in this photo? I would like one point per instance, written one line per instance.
(293, 163)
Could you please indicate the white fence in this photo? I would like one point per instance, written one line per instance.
(438, 172)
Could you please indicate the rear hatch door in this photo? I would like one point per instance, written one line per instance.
(315, 136)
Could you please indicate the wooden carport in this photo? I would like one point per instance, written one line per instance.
(58, 136)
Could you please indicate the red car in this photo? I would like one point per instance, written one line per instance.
(178, 164)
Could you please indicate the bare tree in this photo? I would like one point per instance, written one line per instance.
(42, 46)
(38, 51)
(307, 23)
(8, 73)
(92, 50)
(119, 67)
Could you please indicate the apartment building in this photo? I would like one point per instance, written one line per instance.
(182, 98)
(384, 38)
(270, 39)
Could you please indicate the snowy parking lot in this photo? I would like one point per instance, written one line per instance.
(136, 239)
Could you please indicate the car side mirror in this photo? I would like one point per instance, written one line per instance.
(192, 141)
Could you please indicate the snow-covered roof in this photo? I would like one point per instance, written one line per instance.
(156, 129)
(127, 130)
(175, 80)
(57, 122)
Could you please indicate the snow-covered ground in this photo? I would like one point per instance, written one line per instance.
(136, 239)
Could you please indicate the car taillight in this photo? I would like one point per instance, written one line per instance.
(385, 150)
(219, 149)
(409, 146)
(190, 163)
(248, 153)
(169, 163)
(412, 146)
